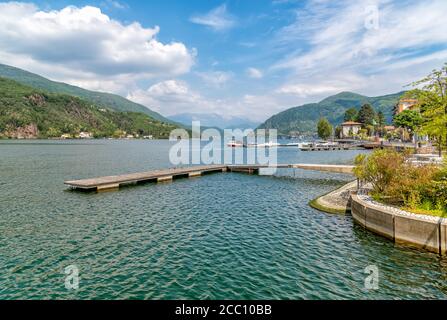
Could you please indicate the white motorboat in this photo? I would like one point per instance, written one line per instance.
(235, 144)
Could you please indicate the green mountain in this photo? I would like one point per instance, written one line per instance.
(34, 113)
(304, 118)
(105, 100)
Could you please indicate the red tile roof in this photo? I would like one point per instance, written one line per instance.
(351, 123)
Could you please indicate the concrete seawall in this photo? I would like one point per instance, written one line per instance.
(427, 232)
(337, 201)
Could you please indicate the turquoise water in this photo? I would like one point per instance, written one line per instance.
(221, 236)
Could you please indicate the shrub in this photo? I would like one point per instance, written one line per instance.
(411, 184)
(379, 168)
(396, 181)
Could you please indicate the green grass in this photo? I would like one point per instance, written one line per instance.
(436, 213)
(424, 209)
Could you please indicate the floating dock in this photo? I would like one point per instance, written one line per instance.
(166, 175)
(329, 148)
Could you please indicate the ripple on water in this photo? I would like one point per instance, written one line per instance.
(223, 236)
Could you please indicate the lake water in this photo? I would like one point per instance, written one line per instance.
(221, 236)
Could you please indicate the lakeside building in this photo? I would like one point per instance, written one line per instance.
(85, 135)
(350, 129)
(389, 128)
(406, 104)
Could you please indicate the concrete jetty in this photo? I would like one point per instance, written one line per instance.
(166, 175)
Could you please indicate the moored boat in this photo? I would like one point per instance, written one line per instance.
(235, 144)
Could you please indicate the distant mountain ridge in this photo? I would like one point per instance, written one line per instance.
(102, 99)
(214, 121)
(27, 112)
(304, 118)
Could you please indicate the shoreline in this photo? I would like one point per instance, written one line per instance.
(400, 226)
(336, 201)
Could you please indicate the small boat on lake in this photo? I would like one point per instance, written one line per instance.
(235, 144)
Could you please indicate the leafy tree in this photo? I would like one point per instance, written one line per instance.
(351, 114)
(367, 115)
(324, 129)
(381, 119)
(370, 130)
(363, 134)
(408, 119)
(53, 132)
(432, 100)
(338, 131)
(381, 123)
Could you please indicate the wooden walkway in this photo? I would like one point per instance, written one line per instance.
(114, 182)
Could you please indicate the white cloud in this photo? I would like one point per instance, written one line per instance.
(175, 97)
(217, 19)
(329, 49)
(116, 4)
(338, 38)
(305, 90)
(215, 78)
(254, 73)
(169, 97)
(85, 45)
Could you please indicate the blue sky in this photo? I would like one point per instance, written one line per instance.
(244, 58)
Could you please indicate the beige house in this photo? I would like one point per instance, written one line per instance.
(350, 129)
(85, 135)
(406, 104)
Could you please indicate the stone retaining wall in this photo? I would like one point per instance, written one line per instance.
(427, 232)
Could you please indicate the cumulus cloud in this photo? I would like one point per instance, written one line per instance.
(168, 97)
(84, 44)
(217, 19)
(333, 47)
(254, 73)
(175, 97)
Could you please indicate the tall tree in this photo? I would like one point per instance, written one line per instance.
(324, 129)
(408, 119)
(381, 119)
(351, 114)
(367, 115)
(381, 123)
(432, 100)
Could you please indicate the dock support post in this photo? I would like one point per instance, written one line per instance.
(107, 187)
(164, 179)
(195, 174)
